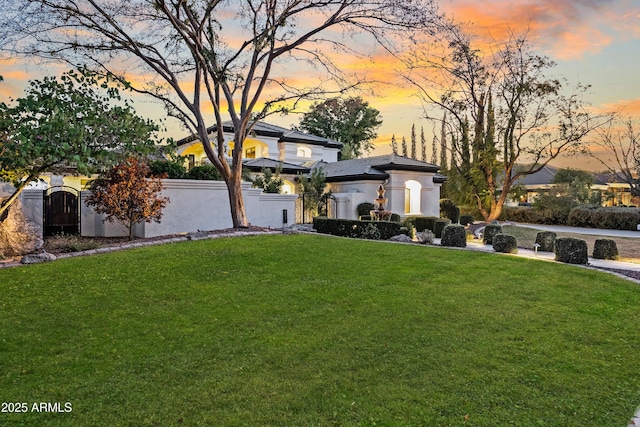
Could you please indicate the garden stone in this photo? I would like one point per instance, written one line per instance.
(38, 258)
(197, 235)
(18, 234)
(403, 238)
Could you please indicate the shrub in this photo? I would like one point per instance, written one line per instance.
(505, 243)
(454, 235)
(395, 218)
(546, 240)
(617, 218)
(581, 216)
(490, 230)
(172, 169)
(370, 232)
(425, 223)
(439, 225)
(571, 251)
(450, 210)
(204, 172)
(356, 229)
(466, 219)
(605, 249)
(364, 209)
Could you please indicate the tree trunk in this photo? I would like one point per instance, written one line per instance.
(236, 201)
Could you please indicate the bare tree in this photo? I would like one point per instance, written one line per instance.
(200, 57)
(619, 141)
(506, 116)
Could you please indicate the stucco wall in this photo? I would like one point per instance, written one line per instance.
(204, 205)
(193, 205)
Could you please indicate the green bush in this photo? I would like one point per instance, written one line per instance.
(356, 229)
(505, 243)
(605, 249)
(581, 216)
(571, 251)
(617, 218)
(448, 209)
(395, 218)
(172, 169)
(546, 241)
(204, 172)
(454, 235)
(364, 209)
(490, 230)
(425, 223)
(466, 219)
(439, 225)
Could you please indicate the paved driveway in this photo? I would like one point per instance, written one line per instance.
(581, 230)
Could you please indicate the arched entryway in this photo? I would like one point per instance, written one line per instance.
(61, 211)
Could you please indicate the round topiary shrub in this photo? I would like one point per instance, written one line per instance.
(546, 241)
(505, 243)
(571, 251)
(605, 249)
(489, 231)
(466, 219)
(439, 225)
(364, 209)
(454, 235)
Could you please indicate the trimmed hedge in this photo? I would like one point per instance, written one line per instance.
(615, 218)
(422, 223)
(571, 251)
(356, 229)
(546, 240)
(439, 225)
(490, 230)
(605, 249)
(505, 243)
(454, 235)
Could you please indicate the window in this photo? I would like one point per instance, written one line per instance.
(304, 152)
(412, 201)
(191, 161)
(250, 153)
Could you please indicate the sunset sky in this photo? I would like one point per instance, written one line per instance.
(595, 42)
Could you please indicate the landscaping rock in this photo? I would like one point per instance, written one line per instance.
(425, 237)
(38, 258)
(197, 235)
(403, 238)
(18, 235)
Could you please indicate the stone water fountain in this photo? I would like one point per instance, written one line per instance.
(379, 213)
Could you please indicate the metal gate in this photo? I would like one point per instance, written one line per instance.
(305, 209)
(61, 211)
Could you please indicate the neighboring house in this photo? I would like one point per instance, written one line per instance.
(614, 189)
(412, 187)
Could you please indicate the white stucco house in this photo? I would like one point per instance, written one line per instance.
(412, 186)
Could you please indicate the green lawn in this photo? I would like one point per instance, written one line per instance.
(317, 331)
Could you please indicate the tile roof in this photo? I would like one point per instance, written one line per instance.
(258, 164)
(374, 167)
(273, 131)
